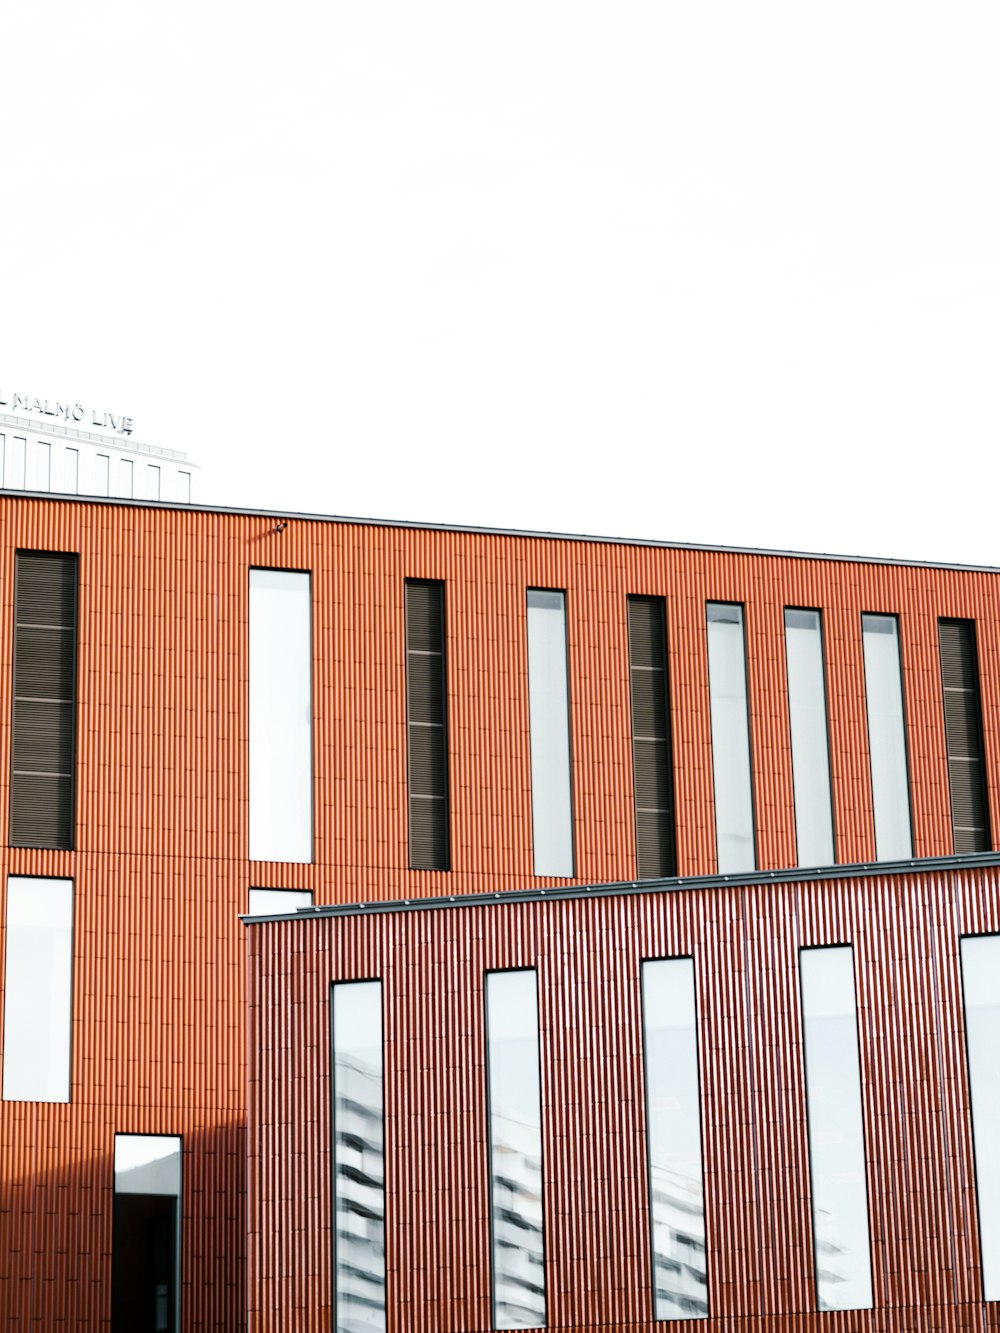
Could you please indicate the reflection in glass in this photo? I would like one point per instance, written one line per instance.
(515, 1150)
(887, 737)
(810, 743)
(279, 902)
(841, 1241)
(981, 983)
(38, 999)
(146, 1246)
(548, 697)
(280, 716)
(727, 683)
(673, 1127)
(359, 1157)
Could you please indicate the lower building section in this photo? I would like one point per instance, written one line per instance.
(756, 1104)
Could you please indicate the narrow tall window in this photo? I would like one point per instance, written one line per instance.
(427, 725)
(841, 1242)
(146, 1245)
(963, 724)
(887, 737)
(673, 1131)
(127, 474)
(153, 481)
(278, 902)
(652, 759)
(17, 452)
(548, 697)
(38, 992)
(810, 741)
(359, 1157)
(517, 1214)
(981, 983)
(281, 777)
(184, 487)
(102, 474)
(727, 684)
(43, 753)
(39, 466)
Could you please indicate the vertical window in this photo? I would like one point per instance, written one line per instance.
(39, 466)
(66, 470)
(887, 737)
(427, 725)
(548, 699)
(281, 779)
(981, 984)
(652, 758)
(727, 684)
(963, 724)
(359, 1157)
(15, 463)
(279, 902)
(841, 1243)
(184, 487)
(153, 481)
(43, 753)
(516, 1204)
(673, 1130)
(810, 741)
(102, 474)
(146, 1245)
(38, 993)
(126, 475)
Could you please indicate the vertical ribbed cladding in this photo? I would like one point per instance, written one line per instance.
(904, 930)
(161, 874)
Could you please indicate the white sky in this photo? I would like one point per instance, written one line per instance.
(695, 271)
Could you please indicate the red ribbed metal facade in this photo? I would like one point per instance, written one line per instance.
(745, 942)
(160, 862)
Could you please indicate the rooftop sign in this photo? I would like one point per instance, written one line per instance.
(71, 413)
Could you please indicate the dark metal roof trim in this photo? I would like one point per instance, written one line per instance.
(625, 888)
(706, 547)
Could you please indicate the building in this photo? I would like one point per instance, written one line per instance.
(523, 786)
(68, 449)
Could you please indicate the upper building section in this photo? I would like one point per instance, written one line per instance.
(374, 710)
(66, 448)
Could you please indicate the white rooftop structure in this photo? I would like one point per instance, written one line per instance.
(67, 449)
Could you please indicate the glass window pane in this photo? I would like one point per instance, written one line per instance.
(359, 1157)
(148, 1164)
(981, 983)
(281, 780)
(38, 995)
(673, 1116)
(548, 695)
(277, 902)
(841, 1242)
(887, 738)
(810, 742)
(727, 684)
(146, 1257)
(515, 1150)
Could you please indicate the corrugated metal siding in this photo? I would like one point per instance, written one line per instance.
(745, 943)
(161, 810)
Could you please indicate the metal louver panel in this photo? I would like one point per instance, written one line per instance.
(427, 731)
(963, 723)
(43, 749)
(652, 759)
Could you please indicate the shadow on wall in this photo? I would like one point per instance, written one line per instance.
(58, 1235)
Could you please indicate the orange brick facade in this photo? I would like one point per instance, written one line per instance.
(160, 862)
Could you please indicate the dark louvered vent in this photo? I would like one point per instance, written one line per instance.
(651, 750)
(43, 752)
(427, 725)
(963, 724)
